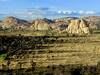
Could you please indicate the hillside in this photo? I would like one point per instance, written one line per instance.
(34, 54)
(12, 22)
(67, 46)
(68, 25)
(94, 21)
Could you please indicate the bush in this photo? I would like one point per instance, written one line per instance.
(2, 57)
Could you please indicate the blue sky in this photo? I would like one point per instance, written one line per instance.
(45, 6)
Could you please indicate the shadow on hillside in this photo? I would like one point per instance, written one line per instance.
(55, 70)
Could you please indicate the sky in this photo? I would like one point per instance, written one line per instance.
(48, 7)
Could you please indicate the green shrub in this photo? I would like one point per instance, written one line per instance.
(2, 57)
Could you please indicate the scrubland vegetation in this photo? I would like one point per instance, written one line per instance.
(49, 54)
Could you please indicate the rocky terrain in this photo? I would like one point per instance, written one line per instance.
(78, 27)
(70, 25)
(94, 21)
(33, 55)
(12, 22)
(41, 24)
(66, 53)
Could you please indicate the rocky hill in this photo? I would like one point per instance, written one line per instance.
(69, 24)
(13, 22)
(94, 21)
(59, 24)
(41, 24)
(78, 26)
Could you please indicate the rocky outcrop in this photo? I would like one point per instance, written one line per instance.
(12, 22)
(78, 26)
(93, 21)
(40, 24)
(59, 24)
(71, 25)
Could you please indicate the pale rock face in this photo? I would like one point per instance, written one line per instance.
(86, 30)
(40, 25)
(77, 27)
(8, 22)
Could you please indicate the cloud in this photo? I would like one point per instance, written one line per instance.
(39, 8)
(40, 11)
(81, 12)
(50, 11)
(44, 9)
(65, 12)
(90, 12)
(47, 12)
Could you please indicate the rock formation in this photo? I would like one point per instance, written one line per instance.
(93, 21)
(40, 24)
(10, 22)
(78, 27)
(71, 25)
(59, 24)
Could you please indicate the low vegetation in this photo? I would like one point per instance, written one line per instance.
(3, 57)
(17, 47)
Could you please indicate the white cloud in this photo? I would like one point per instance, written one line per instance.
(65, 12)
(59, 12)
(90, 12)
(81, 12)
